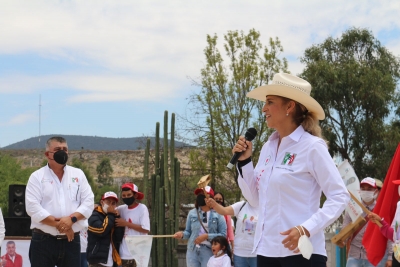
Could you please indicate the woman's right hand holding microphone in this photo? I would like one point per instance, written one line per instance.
(243, 146)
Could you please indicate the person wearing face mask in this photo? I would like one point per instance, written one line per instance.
(58, 199)
(134, 217)
(202, 225)
(357, 255)
(104, 236)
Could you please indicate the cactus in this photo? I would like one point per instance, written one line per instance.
(165, 202)
(146, 170)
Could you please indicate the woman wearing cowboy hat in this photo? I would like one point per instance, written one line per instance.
(293, 170)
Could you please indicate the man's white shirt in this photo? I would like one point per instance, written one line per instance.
(46, 196)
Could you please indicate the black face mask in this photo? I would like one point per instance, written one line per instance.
(200, 200)
(61, 157)
(129, 200)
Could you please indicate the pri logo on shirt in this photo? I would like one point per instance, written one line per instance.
(75, 180)
(267, 160)
(288, 159)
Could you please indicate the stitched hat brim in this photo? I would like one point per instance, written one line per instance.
(110, 197)
(310, 103)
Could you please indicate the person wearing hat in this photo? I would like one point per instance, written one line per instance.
(379, 183)
(104, 236)
(202, 225)
(357, 255)
(293, 169)
(134, 217)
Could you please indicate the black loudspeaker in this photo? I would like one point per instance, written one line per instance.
(18, 226)
(16, 201)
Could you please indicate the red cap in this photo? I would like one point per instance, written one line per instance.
(109, 195)
(135, 189)
(208, 189)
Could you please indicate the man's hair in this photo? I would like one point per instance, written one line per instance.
(55, 138)
(10, 243)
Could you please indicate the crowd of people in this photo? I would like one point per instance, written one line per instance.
(280, 224)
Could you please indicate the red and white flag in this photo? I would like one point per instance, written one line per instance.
(373, 241)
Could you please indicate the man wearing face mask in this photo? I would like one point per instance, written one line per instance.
(135, 219)
(104, 237)
(357, 255)
(58, 198)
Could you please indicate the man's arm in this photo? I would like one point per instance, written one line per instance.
(143, 227)
(84, 210)
(122, 223)
(33, 197)
(100, 227)
(2, 227)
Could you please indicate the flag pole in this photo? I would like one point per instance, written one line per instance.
(363, 207)
(162, 235)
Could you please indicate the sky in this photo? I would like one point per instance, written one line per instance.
(111, 68)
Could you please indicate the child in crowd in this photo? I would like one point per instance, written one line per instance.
(222, 254)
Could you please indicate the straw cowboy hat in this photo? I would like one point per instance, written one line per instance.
(291, 87)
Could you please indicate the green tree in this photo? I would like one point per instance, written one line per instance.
(220, 111)
(354, 79)
(11, 172)
(104, 171)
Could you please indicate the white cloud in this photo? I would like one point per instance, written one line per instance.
(92, 88)
(19, 119)
(164, 41)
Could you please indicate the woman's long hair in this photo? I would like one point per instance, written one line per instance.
(223, 198)
(224, 245)
(305, 118)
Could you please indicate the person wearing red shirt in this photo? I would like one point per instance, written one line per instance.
(11, 258)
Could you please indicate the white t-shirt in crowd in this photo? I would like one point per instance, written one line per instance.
(138, 215)
(2, 227)
(109, 260)
(83, 236)
(246, 224)
(201, 232)
(221, 261)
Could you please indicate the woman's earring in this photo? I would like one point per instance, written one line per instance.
(287, 114)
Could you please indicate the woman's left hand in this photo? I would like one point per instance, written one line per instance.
(292, 240)
(201, 238)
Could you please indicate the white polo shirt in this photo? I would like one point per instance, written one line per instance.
(286, 185)
(46, 195)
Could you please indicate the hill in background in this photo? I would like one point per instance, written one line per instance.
(78, 142)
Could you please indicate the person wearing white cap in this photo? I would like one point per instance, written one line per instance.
(293, 169)
(357, 255)
(104, 236)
